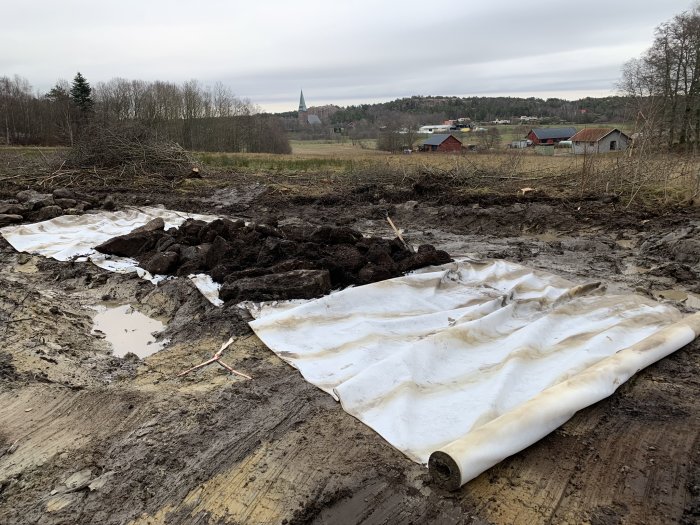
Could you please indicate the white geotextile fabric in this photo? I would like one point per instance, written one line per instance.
(446, 359)
(74, 237)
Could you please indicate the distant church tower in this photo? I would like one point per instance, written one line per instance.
(303, 112)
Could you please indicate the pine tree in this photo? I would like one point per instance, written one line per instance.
(81, 94)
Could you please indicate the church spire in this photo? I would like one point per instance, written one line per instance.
(302, 104)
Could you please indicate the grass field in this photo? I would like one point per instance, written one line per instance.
(658, 178)
(318, 165)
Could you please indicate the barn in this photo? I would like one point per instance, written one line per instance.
(599, 140)
(443, 143)
(550, 135)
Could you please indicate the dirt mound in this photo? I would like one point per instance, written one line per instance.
(266, 262)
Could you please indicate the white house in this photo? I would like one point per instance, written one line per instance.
(599, 140)
(437, 128)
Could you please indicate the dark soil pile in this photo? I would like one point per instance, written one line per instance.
(266, 262)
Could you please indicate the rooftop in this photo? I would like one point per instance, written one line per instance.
(438, 139)
(593, 134)
(553, 133)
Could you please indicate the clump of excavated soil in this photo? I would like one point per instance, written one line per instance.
(266, 262)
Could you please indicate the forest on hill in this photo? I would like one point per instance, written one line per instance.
(483, 109)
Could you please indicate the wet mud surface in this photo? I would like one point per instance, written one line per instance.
(87, 437)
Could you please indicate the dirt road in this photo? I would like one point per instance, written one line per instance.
(86, 437)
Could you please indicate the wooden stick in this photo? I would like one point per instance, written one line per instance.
(398, 234)
(216, 359)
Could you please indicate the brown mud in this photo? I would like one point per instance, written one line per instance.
(86, 437)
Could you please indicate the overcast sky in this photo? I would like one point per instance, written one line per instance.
(339, 51)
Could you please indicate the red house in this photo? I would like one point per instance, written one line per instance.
(443, 143)
(550, 135)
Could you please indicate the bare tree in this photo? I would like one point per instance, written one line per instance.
(664, 84)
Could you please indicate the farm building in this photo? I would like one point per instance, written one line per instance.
(550, 135)
(437, 128)
(599, 140)
(443, 143)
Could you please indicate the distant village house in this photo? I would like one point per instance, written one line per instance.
(599, 140)
(550, 135)
(436, 128)
(442, 143)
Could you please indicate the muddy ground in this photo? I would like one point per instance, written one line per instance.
(86, 437)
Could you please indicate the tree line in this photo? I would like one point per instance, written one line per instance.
(435, 109)
(198, 117)
(664, 83)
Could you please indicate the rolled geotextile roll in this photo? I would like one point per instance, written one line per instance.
(465, 458)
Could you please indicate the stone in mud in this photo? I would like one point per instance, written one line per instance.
(9, 218)
(109, 204)
(66, 193)
(132, 244)
(63, 193)
(296, 284)
(48, 212)
(34, 200)
(160, 263)
(65, 203)
(154, 224)
(12, 208)
(79, 480)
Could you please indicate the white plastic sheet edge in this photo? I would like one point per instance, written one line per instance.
(466, 458)
(86, 252)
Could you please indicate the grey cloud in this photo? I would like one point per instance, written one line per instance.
(336, 51)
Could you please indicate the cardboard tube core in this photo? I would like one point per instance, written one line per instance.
(444, 470)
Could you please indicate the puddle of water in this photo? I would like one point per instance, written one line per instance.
(691, 300)
(128, 330)
(671, 295)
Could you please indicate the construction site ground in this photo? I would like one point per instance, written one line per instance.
(87, 437)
